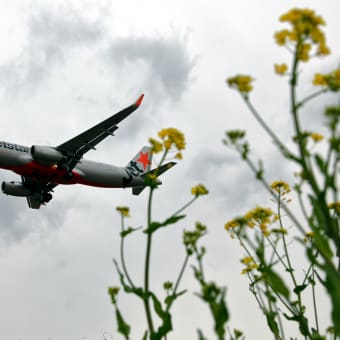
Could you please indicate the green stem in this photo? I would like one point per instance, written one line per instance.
(184, 207)
(179, 278)
(310, 97)
(264, 125)
(122, 257)
(147, 268)
(314, 302)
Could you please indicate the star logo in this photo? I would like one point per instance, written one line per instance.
(144, 159)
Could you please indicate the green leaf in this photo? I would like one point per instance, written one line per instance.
(273, 326)
(322, 245)
(145, 336)
(123, 327)
(164, 315)
(134, 290)
(276, 282)
(321, 163)
(214, 296)
(171, 298)
(298, 289)
(156, 225)
(332, 284)
(201, 335)
(128, 231)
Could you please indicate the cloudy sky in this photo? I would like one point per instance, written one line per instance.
(65, 66)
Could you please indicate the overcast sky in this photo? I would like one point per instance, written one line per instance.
(65, 66)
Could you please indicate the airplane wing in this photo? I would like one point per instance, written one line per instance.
(76, 147)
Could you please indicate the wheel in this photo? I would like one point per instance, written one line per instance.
(46, 197)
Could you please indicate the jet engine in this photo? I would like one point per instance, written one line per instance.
(15, 189)
(46, 154)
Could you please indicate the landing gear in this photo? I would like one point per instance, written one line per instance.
(46, 197)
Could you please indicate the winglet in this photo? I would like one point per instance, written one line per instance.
(139, 100)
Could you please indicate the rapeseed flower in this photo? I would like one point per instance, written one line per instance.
(335, 206)
(316, 137)
(280, 69)
(156, 146)
(280, 187)
(250, 264)
(305, 31)
(172, 137)
(124, 211)
(241, 82)
(330, 80)
(199, 190)
(262, 217)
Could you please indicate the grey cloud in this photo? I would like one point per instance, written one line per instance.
(166, 59)
(51, 35)
(231, 183)
(18, 221)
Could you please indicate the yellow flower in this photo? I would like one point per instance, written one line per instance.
(319, 80)
(280, 69)
(199, 190)
(247, 260)
(331, 80)
(335, 206)
(316, 137)
(179, 155)
(172, 137)
(250, 264)
(235, 223)
(323, 50)
(124, 211)
(260, 216)
(241, 82)
(303, 53)
(280, 187)
(305, 27)
(281, 37)
(308, 236)
(156, 146)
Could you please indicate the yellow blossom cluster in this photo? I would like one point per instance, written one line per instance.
(170, 137)
(250, 264)
(259, 216)
(280, 187)
(262, 217)
(308, 236)
(235, 223)
(241, 82)
(190, 238)
(280, 69)
(199, 190)
(335, 206)
(316, 137)
(330, 80)
(304, 33)
(124, 211)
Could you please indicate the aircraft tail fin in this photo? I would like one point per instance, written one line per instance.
(157, 171)
(141, 163)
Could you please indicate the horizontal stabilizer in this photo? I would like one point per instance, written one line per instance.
(157, 171)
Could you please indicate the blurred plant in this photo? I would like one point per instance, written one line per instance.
(211, 293)
(261, 232)
(171, 143)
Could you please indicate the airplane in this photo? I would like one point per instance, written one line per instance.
(42, 168)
